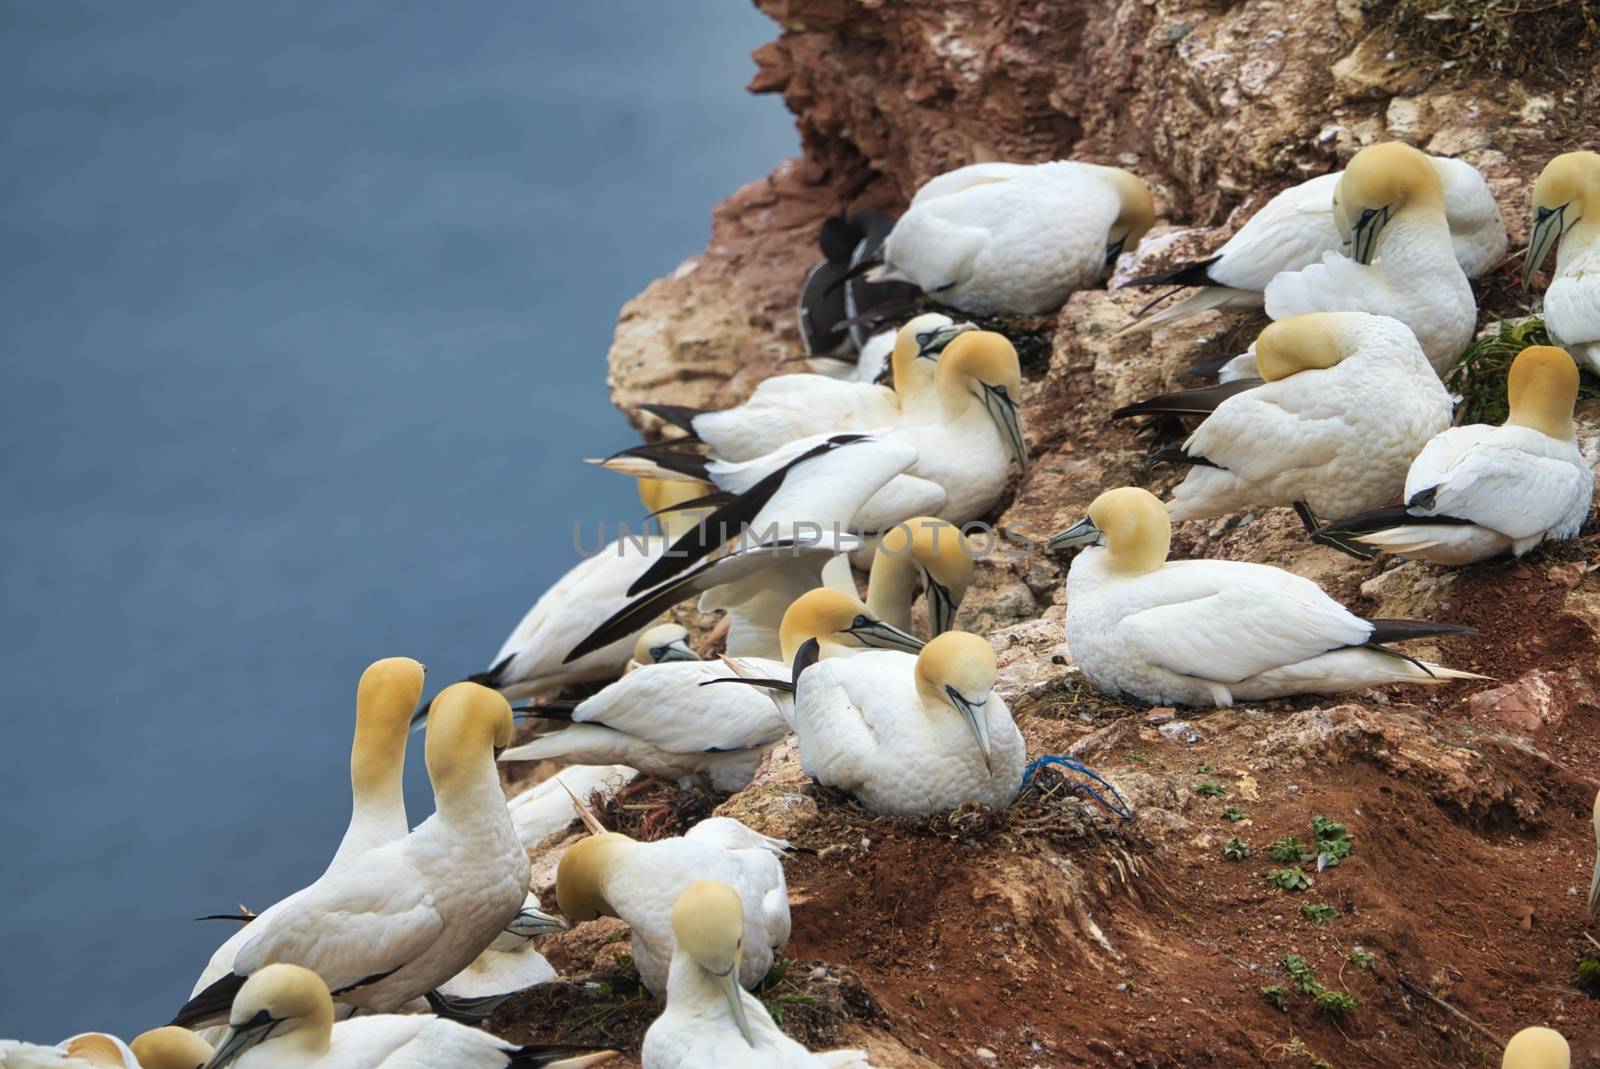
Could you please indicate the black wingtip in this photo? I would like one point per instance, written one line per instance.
(1409, 630)
(539, 1055)
(211, 1005)
(1198, 402)
(680, 416)
(1195, 273)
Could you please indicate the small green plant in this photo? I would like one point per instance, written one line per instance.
(1233, 814)
(1586, 977)
(1480, 376)
(1336, 1003)
(1333, 842)
(1290, 879)
(1300, 974)
(1319, 1063)
(1276, 997)
(1323, 828)
(1136, 757)
(1289, 848)
(1319, 913)
(1210, 788)
(1205, 768)
(1236, 849)
(1361, 959)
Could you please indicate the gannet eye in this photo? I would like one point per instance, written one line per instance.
(860, 621)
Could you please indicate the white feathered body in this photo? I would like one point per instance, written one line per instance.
(1572, 303)
(15, 1054)
(789, 407)
(389, 1041)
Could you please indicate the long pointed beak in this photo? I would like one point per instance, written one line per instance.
(674, 651)
(941, 606)
(1114, 250)
(1364, 235)
(419, 719)
(735, 996)
(977, 718)
(240, 1039)
(930, 343)
(1003, 410)
(530, 922)
(1082, 533)
(1547, 228)
(884, 636)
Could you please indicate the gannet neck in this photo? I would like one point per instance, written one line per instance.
(583, 873)
(1542, 389)
(1416, 242)
(922, 548)
(1136, 207)
(1300, 343)
(1135, 528)
(976, 357)
(691, 987)
(297, 1003)
(385, 699)
(891, 586)
(467, 724)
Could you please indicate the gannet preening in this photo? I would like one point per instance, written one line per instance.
(170, 1047)
(663, 720)
(786, 408)
(1295, 228)
(612, 875)
(1566, 214)
(1348, 401)
(385, 697)
(529, 663)
(1478, 491)
(1004, 237)
(909, 735)
(90, 1050)
(283, 1019)
(1537, 1048)
(1213, 632)
(410, 914)
(546, 808)
(710, 1020)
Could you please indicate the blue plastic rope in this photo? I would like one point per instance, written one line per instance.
(1119, 807)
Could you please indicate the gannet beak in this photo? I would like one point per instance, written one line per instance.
(1003, 410)
(530, 922)
(977, 719)
(1114, 250)
(241, 1038)
(930, 343)
(677, 650)
(1082, 533)
(941, 607)
(735, 996)
(883, 636)
(1364, 235)
(1548, 224)
(419, 719)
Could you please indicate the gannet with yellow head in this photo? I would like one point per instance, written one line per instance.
(89, 1050)
(1213, 632)
(1566, 217)
(171, 1048)
(710, 1019)
(922, 551)
(1537, 1048)
(1478, 491)
(661, 644)
(882, 357)
(283, 1018)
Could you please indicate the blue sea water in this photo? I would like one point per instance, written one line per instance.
(303, 318)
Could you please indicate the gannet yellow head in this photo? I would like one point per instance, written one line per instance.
(957, 670)
(662, 643)
(1568, 189)
(581, 877)
(96, 1048)
(1133, 526)
(1537, 1048)
(708, 925)
(984, 363)
(286, 1002)
(1300, 343)
(468, 725)
(385, 699)
(1381, 182)
(830, 615)
(171, 1047)
(1137, 213)
(1542, 389)
(663, 498)
(923, 338)
(928, 548)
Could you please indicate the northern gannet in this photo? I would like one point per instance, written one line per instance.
(90, 1050)
(612, 875)
(710, 1020)
(170, 1047)
(909, 734)
(1001, 237)
(1295, 228)
(1566, 214)
(529, 663)
(283, 1019)
(1213, 632)
(1478, 491)
(664, 720)
(1537, 1048)
(385, 697)
(661, 644)
(412, 913)
(1348, 401)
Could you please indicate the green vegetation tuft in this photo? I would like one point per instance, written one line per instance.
(1236, 849)
(1289, 848)
(1586, 977)
(1361, 959)
(1290, 879)
(1276, 997)
(1319, 913)
(1480, 376)
(1300, 974)
(1210, 788)
(1337, 1003)
(1233, 814)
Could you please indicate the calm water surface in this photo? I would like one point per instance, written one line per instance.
(303, 321)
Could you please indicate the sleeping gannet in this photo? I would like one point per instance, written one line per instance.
(1478, 491)
(169, 1047)
(1213, 632)
(1566, 214)
(410, 914)
(1348, 401)
(1004, 237)
(1295, 228)
(909, 735)
(611, 875)
(386, 695)
(1537, 1048)
(283, 1019)
(710, 1020)
(663, 720)
(529, 663)
(91, 1050)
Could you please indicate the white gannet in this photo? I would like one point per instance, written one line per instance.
(1537, 1048)
(660, 644)
(786, 408)
(507, 965)
(89, 1050)
(612, 875)
(1478, 491)
(1348, 401)
(170, 1047)
(412, 913)
(709, 1019)
(283, 1019)
(385, 697)
(1213, 632)
(998, 237)
(546, 808)
(529, 663)
(1295, 228)
(907, 734)
(664, 720)
(1566, 214)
